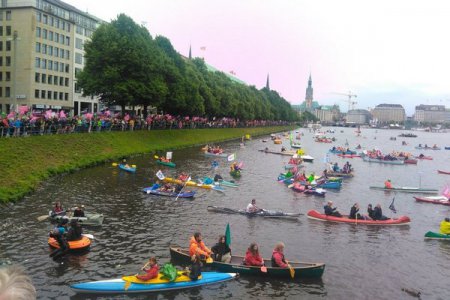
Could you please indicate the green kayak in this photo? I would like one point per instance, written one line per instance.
(164, 163)
(406, 189)
(437, 236)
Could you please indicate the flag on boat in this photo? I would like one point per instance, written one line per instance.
(392, 207)
(160, 175)
(169, 155)
(231, 157)
(228, 235)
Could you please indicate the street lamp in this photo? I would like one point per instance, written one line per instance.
(15, 38)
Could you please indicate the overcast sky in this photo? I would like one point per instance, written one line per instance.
(382, 51)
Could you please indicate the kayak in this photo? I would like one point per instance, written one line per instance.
(130, 284)
(82, 244)
(424, 157)
(335, 151)
(443, 172)
(437, 236)
(406, 189)
(226, 183)
(301, 188)
(299, 269)
(166, 163)
(315, 215)
(158, 192)
(128, 169)
(411, 161)
(190, 183)
(330, 185)
(307, 158)
(223, 155)
(90, 219)
(340, 174)
(349, 155)
(435, 200)
(264, 213)
(428, 148)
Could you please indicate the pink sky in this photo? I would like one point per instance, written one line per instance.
(383, 51)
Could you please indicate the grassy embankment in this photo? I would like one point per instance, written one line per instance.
(26, 162)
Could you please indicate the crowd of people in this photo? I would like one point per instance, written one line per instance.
(50, 122)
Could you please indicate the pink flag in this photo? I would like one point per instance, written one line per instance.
(23, 109)
(48, 114)
(62, 114)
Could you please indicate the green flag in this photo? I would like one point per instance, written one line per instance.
(228, 235)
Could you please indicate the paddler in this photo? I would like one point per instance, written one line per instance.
(278, 260)
(445, 226)
(252, 208)
(151, 269)
(196, 246)
(388, 184)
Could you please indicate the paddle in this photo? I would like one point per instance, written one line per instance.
(88, 235)
(291, 270)
(209, 260)
(42, 218)
(189, 178)
(114, 164)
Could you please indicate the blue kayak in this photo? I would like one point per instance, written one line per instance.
(158, 192)
(128, 169)
(119, 285)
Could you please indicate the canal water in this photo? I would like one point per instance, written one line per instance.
(362, 262)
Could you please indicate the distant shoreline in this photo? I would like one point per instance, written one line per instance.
(27, 162)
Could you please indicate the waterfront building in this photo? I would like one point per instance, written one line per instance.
(328, 113)
(358, 116)
(388, 113)
(41, 47)
(431, 114)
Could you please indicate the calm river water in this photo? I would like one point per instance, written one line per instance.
(362, 262)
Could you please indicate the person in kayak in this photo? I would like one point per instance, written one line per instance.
(217, 178)
(183, 177)
(74, 233)
(58, 210)
(58, 233)
(278, 260)
(378, 213)
(445, 226)
(331, 211)
(252, 208)
(252, 256)
(197, 246)
(156, 185)
(370, 211)
(79, 212)
(196, 267)
(354, 213)
(221, 251)
(335, 167)
(151, 270)
(388, 184)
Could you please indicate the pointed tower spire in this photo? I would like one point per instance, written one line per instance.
(267, 82)
(190, 52)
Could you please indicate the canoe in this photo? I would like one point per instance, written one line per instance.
(435, 200)
(340, 174)
(223, 155)
(342, 152)
(265, 213)
(315, 215)
(166, 163)
(349, 155)
(437, 236)
(330, 185)
(286, 153)
(130, 284)
(424, 157)
(301, 269)
(129, 169)
(427, 148)
(443, 172)
(382, 161)
(226, 183)
(158, 192)
(82, 244)
(406, 189)
(189, 183)
(89, 219)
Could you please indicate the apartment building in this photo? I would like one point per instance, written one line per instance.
(431, 113)
(386, 113)
(41, 49)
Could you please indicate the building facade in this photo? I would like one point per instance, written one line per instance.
(309, 95)
(328, 113)
(41, 46)
(358, 116)
(431, 114)
(387, 113)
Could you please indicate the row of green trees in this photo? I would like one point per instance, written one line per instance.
(124, 65)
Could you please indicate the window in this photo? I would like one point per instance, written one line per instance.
(55, 81)
(43, 64)
(44, 78)
(79, 43)
(50, 50)
(51, 21)
(37, 63)
(1, 45)
(1, 30)
(55, 95)
(1, 19)
(36, 94)
(77, 70)
(61, 53)
(67, 68)
(67, 40)
(8, 30)
(50, 35)
(8, 61)
(79, 30)
(61, 67)
(57, 23)
(77, 88)
(50, 64)
(61, 81)
(63, 25)
(43, 94)
(38, 32)
(66, 96)
(8, 76)
(8, 46)
(55, 66)
(1, 61)
(49, 94)
(8, 15)
(38, 47)
(38, 16)
(66, 81)
(44, 33)
(1, 91)
(61, 39)
(45, 19)
(44, 49)
(1, 76)
(56, 51)
(68, 27)
(61, 94)
(50, 79)
(67, 54)
(78, 58)
(56, 39)
(7, 92)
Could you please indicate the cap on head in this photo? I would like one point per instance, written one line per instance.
(447, 219)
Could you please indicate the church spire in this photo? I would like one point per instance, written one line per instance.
(190, 52)
(267, 82)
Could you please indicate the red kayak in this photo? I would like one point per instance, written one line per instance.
(424, 157)
(349, 155)
(443, 172)
(411, 161)
(435, 200)
(315, 215)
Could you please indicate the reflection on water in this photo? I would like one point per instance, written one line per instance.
(360, 260)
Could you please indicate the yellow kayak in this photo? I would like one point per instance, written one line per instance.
(189, 183)
(133, 279)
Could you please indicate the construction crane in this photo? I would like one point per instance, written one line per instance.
(351, 104)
